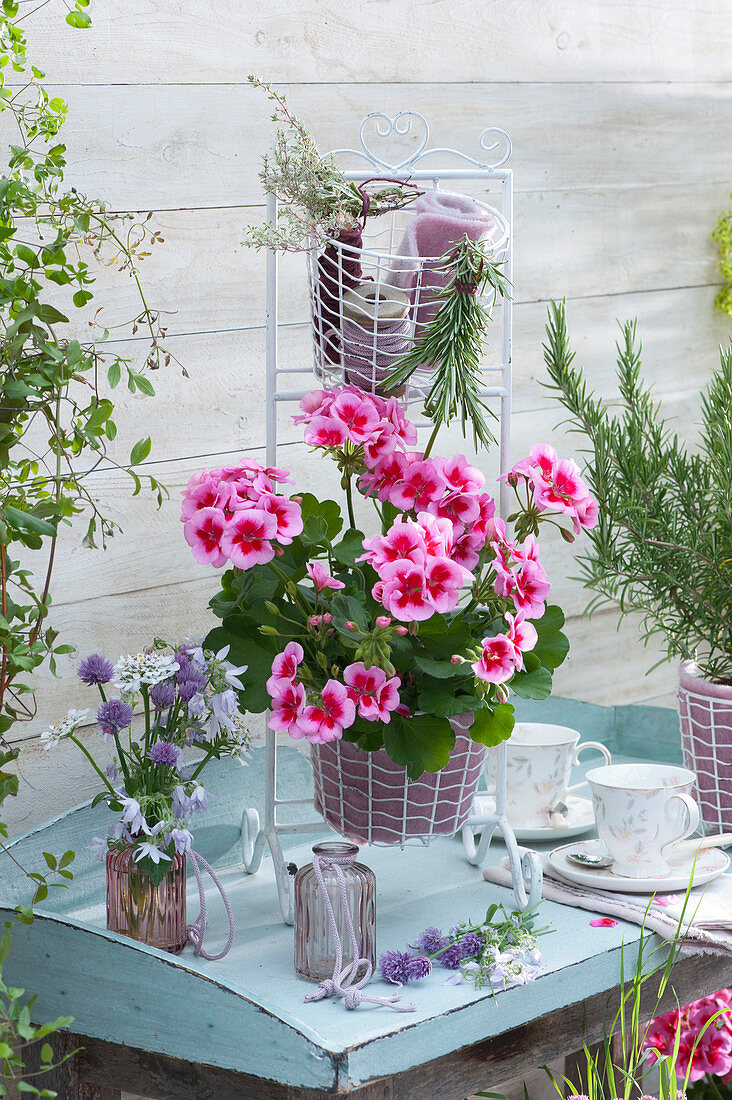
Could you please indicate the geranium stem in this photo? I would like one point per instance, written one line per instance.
(431, 442)
(349, 502)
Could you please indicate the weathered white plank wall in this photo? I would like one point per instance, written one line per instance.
(620, 115)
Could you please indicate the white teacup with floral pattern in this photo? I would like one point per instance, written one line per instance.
(642, 811)
(539, 759)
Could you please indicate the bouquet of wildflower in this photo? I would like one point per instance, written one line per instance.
(188, 698)
(501, 950)
(376, 638)
(702, 1034)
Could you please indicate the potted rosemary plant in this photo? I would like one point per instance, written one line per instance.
(663, 545)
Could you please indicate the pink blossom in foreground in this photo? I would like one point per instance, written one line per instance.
(557, 486)
(203, 532)
(403, 592)
(208, 493)
(247, 538)
(460, 475)
(421, 484)
(324, 432)
(288, 515)
(321, 578)
(284, 668)
(497, 662)
(704, 1046)
(372, 691)
(522, 635)
(443, 581)
(327, 721)
(287, 709)
(357, 413)
(402, 542)
(603, 922)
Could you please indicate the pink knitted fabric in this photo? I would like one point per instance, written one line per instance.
(441, 220)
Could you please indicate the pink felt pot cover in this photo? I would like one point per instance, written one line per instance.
(705, 716)
(368, 798)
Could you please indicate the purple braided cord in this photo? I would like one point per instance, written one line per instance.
(342, 983)
(196, 932)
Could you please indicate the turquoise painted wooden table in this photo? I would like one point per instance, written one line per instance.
(180, 1027)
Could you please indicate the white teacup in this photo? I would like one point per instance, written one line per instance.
(642, 811)
(539, 760)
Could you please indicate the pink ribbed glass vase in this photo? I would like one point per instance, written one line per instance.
(155, 915)
(315, 948)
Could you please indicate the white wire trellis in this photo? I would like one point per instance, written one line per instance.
(379, 258)
(706, 742)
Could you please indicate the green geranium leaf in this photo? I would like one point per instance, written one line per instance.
(490, 727)
(345, 608)
(422, 742)
(327, 509)
(442, 670)
(439, 698)
(443, 637)
(349, 548)
(249, 648)
(533, 685)
(552, 646)
(314, 530)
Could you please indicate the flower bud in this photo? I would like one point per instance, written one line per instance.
(566, 535)
(383, 622)
(349, 625)
(322, 660)
(271, 607)
(456, 659)
(401, 631)
(501, 693)
(271, 631)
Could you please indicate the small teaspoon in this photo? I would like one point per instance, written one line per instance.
(601, 863)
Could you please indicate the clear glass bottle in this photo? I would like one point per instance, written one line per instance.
(155, 915)
(315, 951)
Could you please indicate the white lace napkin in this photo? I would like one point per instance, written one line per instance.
(707, 920)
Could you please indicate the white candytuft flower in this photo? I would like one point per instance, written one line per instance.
(63, 727)
(136, 669)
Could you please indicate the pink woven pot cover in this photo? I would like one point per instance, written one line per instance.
(368, 798)
(705, 716)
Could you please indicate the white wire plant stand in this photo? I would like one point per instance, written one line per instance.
(393, 274)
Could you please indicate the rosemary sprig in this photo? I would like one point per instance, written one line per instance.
(452, 342)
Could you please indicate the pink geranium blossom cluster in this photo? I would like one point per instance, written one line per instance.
(334, 418)
(503, 654)
(321, 716)
(233, 514)
(556, 486)
(520, 575)
(713, 1054)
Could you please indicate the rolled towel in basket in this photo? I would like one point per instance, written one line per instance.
(442, 219)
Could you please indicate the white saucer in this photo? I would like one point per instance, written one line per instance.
(580, 817)
(710, 863)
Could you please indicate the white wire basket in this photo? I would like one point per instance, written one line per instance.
(369, 304)
(706, 743)
(367, 798)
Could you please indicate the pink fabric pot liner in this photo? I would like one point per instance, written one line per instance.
(368, 798)
(705, 717)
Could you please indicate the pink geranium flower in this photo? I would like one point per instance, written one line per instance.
(287, 709)
(246, 540)
(315, 403)
(327, 721)
(530, 589)
(372, 692)
(402, 542)
(443, 582)
(322, 431)
(284, 669)
(466, 548)
(422, 483)
(386, 474)
(208, 493)
(321, 578)
(497, 662)
(522, 635)
(288, 515)
(462, 509)
(461, 476)
(437, 534)
(358, 413)
(204, 532)
(404, 593)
